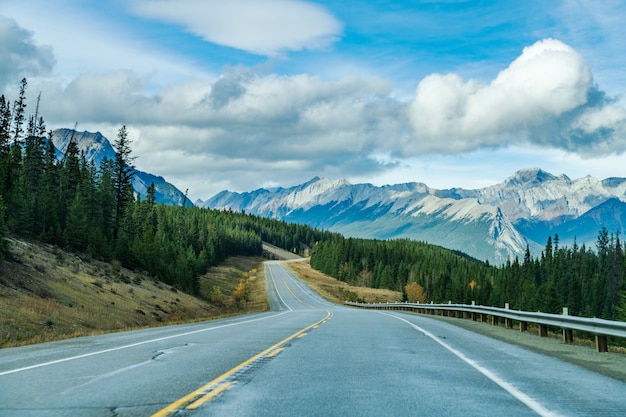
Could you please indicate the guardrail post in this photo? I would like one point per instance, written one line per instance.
(508, 323)
(523, 326)
(568, 334)
(494, 320)
(543, 330)
(601, 343)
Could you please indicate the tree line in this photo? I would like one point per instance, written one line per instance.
(72, 203)
(589, 283)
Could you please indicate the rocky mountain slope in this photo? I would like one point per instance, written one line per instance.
(97, 147)
(495, 223)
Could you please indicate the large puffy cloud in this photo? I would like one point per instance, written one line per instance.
(265, 28)
(20, 56)
(546, 96)
(251, 120)
(290, 128)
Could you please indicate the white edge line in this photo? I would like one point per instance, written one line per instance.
(100, 352)
(507, 386)
(269, 269)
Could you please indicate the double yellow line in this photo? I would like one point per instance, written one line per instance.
(220, 384)
(298, 298)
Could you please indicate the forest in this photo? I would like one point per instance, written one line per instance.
(589, 283)
(93, 210)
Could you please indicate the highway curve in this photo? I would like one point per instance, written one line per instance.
(306, 357)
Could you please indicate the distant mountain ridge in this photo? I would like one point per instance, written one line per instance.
(494, 223)
(97, 147)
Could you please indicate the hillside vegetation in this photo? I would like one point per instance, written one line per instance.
(590, 283)
(154, 259)
(74, 204)
(49, 294)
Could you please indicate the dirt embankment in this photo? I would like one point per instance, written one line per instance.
(48, 294)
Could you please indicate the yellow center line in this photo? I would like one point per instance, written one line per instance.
(208, 397)
(274, 352)
(200, 393)
(297, 298)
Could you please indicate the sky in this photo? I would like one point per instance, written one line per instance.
(242, 94)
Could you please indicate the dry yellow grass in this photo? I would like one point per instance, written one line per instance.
(47, 294)
(338, 291)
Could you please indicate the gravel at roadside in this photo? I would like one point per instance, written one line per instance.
(582, 353)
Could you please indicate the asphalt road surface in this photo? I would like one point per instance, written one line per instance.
(306, 357)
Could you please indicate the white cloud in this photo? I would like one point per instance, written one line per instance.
(300, 126)
(265, 28)
(548, 80)
(607, 117)
(20, 56)
(244, 129)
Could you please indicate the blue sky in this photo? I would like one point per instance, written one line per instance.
(254, 93)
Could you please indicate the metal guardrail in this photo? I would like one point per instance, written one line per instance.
(599, 327)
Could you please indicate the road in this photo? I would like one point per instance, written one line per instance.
(306, 357)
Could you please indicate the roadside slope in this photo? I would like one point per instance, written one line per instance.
(48, 294)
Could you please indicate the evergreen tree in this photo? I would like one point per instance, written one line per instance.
(33, 171)
(5, 145)
(50, 224)
(122, 177)
(69, 181)
(106, 200)
(19, 109)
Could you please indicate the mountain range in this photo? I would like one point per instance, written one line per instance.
(495, 223)
(96, 148)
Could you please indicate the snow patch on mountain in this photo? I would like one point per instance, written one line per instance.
(496, 223)
(466, 210)
(535, 194)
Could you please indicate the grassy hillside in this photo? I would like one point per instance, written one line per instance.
(338, 291)
(48, 294)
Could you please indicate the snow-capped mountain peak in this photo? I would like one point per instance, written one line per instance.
(494, 223)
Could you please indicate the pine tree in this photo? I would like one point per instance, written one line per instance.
(33, 171)
(50, 225)
(122, 177)
(106, 199)
(69, 181)
(19, 109)
(5, 144)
